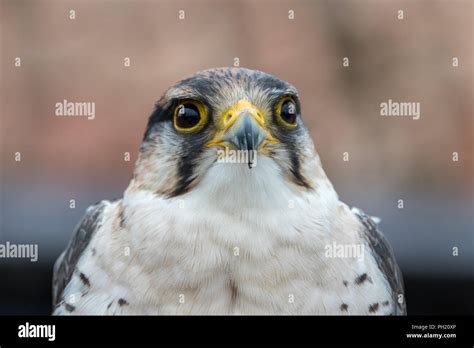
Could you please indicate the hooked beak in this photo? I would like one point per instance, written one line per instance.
(245, 134)
(243, 129)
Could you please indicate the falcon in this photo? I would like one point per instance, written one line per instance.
(198, 234)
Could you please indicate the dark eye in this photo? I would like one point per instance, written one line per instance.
(189, 116)
(286, 113)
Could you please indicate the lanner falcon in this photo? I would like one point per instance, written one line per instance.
(197, 232)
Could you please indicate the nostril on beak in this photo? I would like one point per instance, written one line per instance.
(246, 135)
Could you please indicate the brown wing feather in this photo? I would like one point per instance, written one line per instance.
(67, 261)
(384, 256)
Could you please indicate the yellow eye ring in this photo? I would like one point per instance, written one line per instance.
(190, 116)
(286, 113)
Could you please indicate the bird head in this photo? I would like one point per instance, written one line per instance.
(226, 127)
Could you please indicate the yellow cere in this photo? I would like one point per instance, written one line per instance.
(229, 117)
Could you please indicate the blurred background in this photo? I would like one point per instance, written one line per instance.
(391, 158)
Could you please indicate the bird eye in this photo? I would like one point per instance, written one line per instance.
(190, 116)
(286, 112)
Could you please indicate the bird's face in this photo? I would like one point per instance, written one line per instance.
(221, 124)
